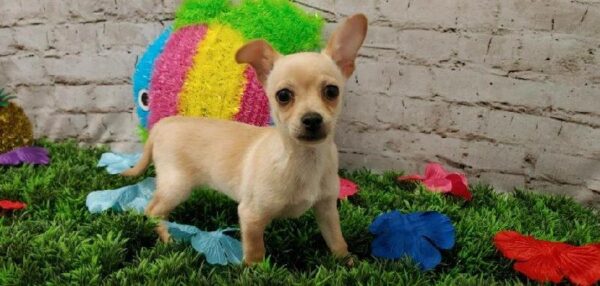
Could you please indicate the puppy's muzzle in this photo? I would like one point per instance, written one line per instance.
(313, 129)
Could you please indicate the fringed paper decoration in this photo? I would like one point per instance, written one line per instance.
(254, 108)
(190, 69)
(288, 28)
(143, 75)
(215, 83)
(171, 71)
(192, 12)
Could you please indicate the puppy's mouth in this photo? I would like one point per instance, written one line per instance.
(312, 137)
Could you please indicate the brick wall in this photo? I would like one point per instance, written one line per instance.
(508, 90)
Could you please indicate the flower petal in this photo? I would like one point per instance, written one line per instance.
(545, 261)
(182, 232)
(441, 185)
(10, 158)
(12, 205)
(398, 235)
(581, 264)
(99, 201)
(208, 245)
(460, 188)
(541, 268)
(414, 177)
(435, 170)
(381, 224)
(26, 155)
(425, 254)
(461, 176)
(436, 227)
(233, 249)
(347, 188)
(33, 155)
(391, 236)
(132, 197)
(514, 245)
(116, 163)
(217, 247)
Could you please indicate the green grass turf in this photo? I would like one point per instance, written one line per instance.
(55, 241)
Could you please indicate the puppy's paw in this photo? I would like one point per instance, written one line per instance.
(163, 234)
(350, 260)
(253, 260)
(248, 263)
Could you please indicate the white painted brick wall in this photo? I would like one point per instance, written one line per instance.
(507, 90)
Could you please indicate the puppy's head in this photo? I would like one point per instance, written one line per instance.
(305, 90)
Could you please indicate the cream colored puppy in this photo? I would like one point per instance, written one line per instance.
(272, 172)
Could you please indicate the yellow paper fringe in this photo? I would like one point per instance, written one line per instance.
(215, 83)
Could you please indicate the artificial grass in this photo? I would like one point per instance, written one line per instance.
(56, 241)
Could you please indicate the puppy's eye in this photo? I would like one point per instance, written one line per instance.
(284, 96)
(331, 92)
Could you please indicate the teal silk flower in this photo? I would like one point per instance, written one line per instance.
(117, 163)
(217, 247)
(133, 197)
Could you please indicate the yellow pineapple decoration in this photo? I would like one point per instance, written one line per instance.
(15, 127)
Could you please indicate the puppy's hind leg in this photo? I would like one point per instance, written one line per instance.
(168, 195)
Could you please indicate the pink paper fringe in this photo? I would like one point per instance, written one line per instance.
(171, 70)
(254, 107)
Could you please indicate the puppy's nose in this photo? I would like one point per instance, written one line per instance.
(312, 121)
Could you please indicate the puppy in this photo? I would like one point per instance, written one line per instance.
(272, 172)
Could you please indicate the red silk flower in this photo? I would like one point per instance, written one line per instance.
(347, 188)
(437, 179)
(11, 205)
(545, 261)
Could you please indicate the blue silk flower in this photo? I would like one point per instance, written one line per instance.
(418, 235)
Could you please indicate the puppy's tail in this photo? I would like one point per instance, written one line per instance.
(144, 162)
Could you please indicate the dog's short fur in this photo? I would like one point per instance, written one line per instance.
(272, 172)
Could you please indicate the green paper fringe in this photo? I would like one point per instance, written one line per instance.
(142, 133)
(192, 12)
(288, 28)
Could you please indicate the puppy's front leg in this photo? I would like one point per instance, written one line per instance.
(252, 227)
(328, 219)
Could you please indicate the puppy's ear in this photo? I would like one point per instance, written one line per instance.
(260, 55)
(344, 43)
